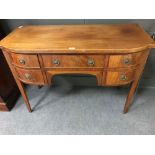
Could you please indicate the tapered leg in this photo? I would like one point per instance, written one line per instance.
(134, 84)
(24, 95)
(130, 95)
(19, 83)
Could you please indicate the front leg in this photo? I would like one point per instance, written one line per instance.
(19, 83)
(24, 95)
(134, 84)
(130, 95)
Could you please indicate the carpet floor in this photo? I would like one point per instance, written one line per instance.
(62, 110)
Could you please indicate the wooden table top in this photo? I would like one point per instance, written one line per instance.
(107, 38)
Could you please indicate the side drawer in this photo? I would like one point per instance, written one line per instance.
(73, 61)
(30, 76)
(25, 60)
(127, 60)
(119, 77)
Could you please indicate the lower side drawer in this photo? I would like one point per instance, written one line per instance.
(114, 78)
(30, 76)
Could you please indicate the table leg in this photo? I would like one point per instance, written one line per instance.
(19, 83)
(134, 84)
(24, 95)
(130, 95)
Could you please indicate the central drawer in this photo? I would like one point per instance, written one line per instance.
(73, 61)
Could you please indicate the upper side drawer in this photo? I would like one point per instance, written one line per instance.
(71, 61)
(25, 60)
(127, 60)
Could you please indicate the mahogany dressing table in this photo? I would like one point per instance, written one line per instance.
(115, 54)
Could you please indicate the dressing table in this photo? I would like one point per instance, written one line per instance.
(114, 54)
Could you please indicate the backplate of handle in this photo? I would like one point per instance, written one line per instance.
(90, 62)
(56, 62)
(22, 61)
(122, 77)
(126, 61)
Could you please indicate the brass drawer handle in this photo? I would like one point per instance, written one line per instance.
(90, 62)
(122, 77)
(22, 61)
(126, 61)
(56, 62)
(28, 76)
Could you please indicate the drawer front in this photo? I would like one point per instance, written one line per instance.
(72, 61)
(127, 60)
(119, 78)
(24, 60)
(30, 76)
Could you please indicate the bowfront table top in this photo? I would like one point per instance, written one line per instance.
(78, 38)
(114, 53)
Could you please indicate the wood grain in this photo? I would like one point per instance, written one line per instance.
(73, 61)
(114, 77)
(30, 76)
(30, 61)
(134, 84)
(127, 60)
(114, 54)
(19, 83)
(108, 38)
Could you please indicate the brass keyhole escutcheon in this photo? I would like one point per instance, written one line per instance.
(28, 76)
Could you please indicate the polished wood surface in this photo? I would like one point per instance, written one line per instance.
(134, 83)
(114, 54)
(119, 77)
(23, 60)
(110, 38)
(127, 60)
(73, 61)
(19, 83)
(30, 76)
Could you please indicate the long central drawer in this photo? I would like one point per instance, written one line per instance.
(73, 61)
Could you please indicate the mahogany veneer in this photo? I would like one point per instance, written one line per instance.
(115, 54)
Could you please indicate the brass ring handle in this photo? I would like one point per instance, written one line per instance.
(56, 62)
(28, 76)
(122, 77)
(22, 61)
(90, 62)
(126, 61)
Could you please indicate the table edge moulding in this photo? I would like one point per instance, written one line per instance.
(115, 54)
